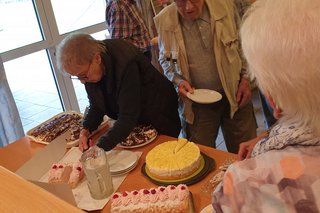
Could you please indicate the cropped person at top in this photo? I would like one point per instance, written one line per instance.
(122, 84)
(199, 48)
(124, 21)
(280, 172)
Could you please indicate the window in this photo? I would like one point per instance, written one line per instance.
(29, 30)
(80, 14)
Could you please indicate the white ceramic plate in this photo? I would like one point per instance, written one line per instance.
(204, 96)
(124, 171)
(121, 160)
(207, 209)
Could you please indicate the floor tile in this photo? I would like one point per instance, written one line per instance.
(25, 121)
(42, 98)
(29, 126)
(31, 111)
(19, 94)
(28, 95)
(56, 104)
(44, 115)
(21, 105)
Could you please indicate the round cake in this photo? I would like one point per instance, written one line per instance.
(173, 160)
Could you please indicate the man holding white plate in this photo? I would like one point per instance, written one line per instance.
(199, 48)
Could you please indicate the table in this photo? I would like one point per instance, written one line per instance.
(16, 154)
(19, 195)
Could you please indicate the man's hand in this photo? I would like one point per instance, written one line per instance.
(184, 88)
(84, 141)
(244, 93)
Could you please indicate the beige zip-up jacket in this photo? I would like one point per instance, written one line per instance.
(173, 57)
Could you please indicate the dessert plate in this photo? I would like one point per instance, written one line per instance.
(206, 165)
(204, 96)
(138, 145)
(140, 135)
(124, 171)
(121, 161)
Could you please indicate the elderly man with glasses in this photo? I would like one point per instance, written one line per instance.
(122, 84)
(199, 49)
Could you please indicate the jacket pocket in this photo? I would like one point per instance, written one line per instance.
(231, 47)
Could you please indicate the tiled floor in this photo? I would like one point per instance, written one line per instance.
(32, 114)
(47, 105)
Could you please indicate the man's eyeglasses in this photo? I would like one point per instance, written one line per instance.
(182, 3)
(82, 77)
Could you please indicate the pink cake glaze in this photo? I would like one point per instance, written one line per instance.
(144, 195)
(116, 199)
(183, 192)
(135, 197)
(154, 195)
(126, 198)
(59, 173)
(76, 175)
(163, 193)
(172, 192)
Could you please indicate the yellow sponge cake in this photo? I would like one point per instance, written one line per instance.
(173, 159)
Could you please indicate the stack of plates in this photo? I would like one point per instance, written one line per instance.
(122, 161)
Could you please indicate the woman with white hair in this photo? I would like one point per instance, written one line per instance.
(280, 173)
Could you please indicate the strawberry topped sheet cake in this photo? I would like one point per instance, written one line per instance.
(163, 199)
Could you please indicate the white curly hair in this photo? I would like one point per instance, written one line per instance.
(281, 42)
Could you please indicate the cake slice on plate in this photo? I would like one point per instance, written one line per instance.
(76, 174)
(71, 173)
(59, 173)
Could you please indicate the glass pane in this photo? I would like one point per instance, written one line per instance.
(34, 89)
(80, 13)
(18, 24)
(101, 35)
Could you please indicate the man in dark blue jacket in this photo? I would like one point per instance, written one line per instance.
(122, 84)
